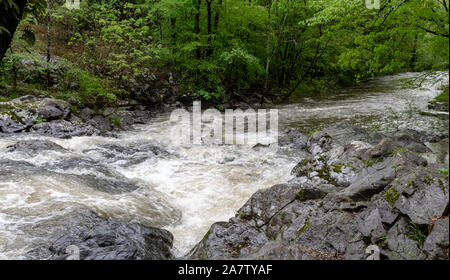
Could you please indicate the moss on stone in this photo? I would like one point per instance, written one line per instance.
(391, 196)
(304, 227)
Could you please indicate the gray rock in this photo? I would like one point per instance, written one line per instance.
(385, 148)
(370, 224)
(52, 109)
(264, 204)
(375, 177)
(387, 213)
(228, 240)
(101, 123)
(64, 129)
(8, 125)
(423, 194)
(342, 132)
(437, 243)
(97, 238)
(115, 240)
(34, 147)
(400, 246)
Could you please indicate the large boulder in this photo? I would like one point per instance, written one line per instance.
(437, 243)
(423, 194)
(82, 234)
(115, 240)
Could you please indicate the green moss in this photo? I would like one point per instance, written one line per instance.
(301, 195)
(371, 161)
(441, 185)
(381, 242)
(443, 171)
(428, 180)
(416, 234)
(312, 132)
(304, 227)
(338, 167)
(116, 122)
(38, 121)
(14, 117)
(207, 234)
(391, 196)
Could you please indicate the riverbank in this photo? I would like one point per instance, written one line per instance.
(353, 189)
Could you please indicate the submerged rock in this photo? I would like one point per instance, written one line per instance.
(34, 147)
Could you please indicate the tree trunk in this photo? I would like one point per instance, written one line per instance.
(197, 24)
(216, 18)
(209, 12)
(9, 20)
(269, 30)
(48, 18)
(174, 32)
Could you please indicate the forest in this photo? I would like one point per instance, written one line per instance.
(216, 50)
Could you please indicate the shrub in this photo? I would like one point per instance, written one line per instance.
(89, 90)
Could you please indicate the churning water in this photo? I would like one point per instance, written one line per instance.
(182, 188)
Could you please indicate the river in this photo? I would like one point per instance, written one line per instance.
(183, 188)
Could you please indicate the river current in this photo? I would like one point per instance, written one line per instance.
(185, 188)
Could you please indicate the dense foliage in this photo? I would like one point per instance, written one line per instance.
(221, 48)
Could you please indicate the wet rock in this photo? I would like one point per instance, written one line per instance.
(87, 114)
(109, 185)
(64, 129)
(7, 165)
(228, 240)
(131, 155)
(264, 204)
(343, 131)
(53, 109)
(101, 239)
(348, 193)
(34, 147)
(384, 148)
(319, 142)
(423, 194)
(100, 178)
(31, 108)
(358, 149)
(101, 123)
(295, 138)
(400, 245)
(402, 141)
(115, 240)
(387, 213)
(378, 174)
(279, 250)
(411, 140)
(8, 125)
(370, 224)
(436, 245)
